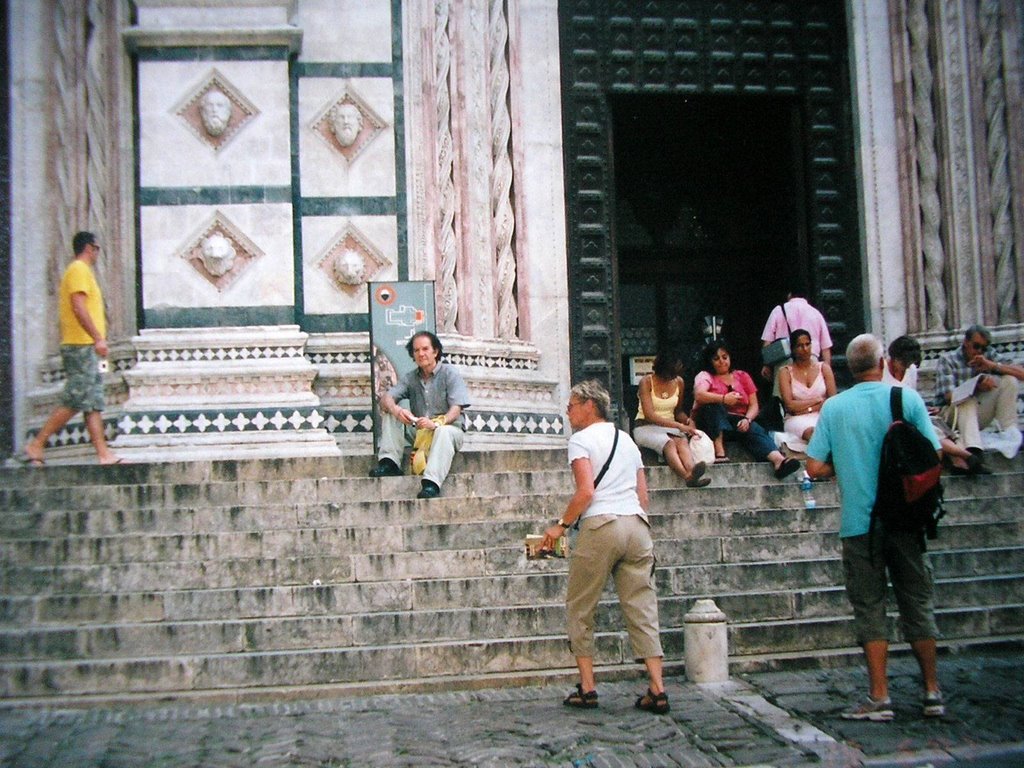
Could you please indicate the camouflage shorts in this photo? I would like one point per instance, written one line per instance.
(83, 390)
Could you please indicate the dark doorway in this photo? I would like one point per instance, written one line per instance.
(709, 218)
(726, 129)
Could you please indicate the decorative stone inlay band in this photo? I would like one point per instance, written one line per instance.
(218, 353)
(220, 421)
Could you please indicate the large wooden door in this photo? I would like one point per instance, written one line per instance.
(765, 76)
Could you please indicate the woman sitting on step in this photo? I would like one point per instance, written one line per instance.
(804, 385)
(725, 405)
(662, 424)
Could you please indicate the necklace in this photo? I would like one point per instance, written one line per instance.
(664, 389)
(808, 373)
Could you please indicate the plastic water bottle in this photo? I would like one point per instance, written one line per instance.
(807, 492)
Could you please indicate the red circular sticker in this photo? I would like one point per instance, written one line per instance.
(385, 295)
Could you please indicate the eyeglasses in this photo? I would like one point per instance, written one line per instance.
(574, 404)
(978, 347)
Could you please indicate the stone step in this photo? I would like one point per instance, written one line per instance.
(295, 557)
(362, 626)
(181, 606)
(711, 555)
(330, 665)
(284, 469)
(171, 579)
(739, 537)
(541, 496)
(351, 501)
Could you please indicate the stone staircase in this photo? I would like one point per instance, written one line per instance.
(282, 577)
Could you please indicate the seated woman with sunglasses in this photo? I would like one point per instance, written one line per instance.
(725, 406)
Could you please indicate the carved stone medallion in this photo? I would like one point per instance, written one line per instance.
(347, 124)
(220, 252)
(215, 111)
(350, 261)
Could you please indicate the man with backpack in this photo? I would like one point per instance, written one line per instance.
(848, 443)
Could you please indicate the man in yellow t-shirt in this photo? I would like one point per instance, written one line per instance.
(83, 343)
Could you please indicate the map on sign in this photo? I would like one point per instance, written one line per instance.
(398, 311)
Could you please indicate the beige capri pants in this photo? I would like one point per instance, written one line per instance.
(620, 546)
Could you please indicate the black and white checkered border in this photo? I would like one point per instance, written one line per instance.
(231, 420)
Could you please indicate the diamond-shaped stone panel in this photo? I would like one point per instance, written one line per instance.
(347, 124)
(220, 252)
(215, 111)
(350, 261)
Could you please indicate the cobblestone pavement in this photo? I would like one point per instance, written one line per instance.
(764, 719)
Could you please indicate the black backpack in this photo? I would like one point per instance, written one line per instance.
(909, 489)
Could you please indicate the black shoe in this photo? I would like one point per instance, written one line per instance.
(787, 468)
(386, 468)
(976, 466)
(429, 490)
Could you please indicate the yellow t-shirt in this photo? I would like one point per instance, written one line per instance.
(79, 278)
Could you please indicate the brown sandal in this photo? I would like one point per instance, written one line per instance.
(581, 699)
(653, 702)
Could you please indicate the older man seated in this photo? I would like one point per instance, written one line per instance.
(993, 397)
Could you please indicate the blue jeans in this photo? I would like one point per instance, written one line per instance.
(715, 420)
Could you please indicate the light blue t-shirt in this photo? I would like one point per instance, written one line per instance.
(849, 435)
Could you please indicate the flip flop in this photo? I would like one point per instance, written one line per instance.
(722, 459)
(787, 468)
(28, 461)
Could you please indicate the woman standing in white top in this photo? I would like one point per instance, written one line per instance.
(614, 539)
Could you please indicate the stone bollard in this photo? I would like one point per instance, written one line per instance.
(706, 642)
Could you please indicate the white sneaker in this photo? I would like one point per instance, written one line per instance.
(932, 704)
(869, 709)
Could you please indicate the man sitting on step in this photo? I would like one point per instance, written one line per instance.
(436, 394)
(994, 397)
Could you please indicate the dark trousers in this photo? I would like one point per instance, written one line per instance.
(715, 420)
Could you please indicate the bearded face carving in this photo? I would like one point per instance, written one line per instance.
(215, 111)
(350, 267)
(346, 123)
(218, 254)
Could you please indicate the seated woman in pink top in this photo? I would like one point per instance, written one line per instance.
(725, 406)
(804, 385)
(662, 423)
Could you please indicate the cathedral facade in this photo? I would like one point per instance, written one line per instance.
(253, 167)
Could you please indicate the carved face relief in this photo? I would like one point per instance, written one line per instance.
(350, 267)
(346, 123)
(350, 260)
(215, 110)
(218, 254)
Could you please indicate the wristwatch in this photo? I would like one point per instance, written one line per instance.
(565, 525)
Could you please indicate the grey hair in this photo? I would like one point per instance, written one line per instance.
(592, 390)
(863, 354)
(981, 330)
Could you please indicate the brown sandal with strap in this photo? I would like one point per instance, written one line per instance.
(581, 699)
(653, 702)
